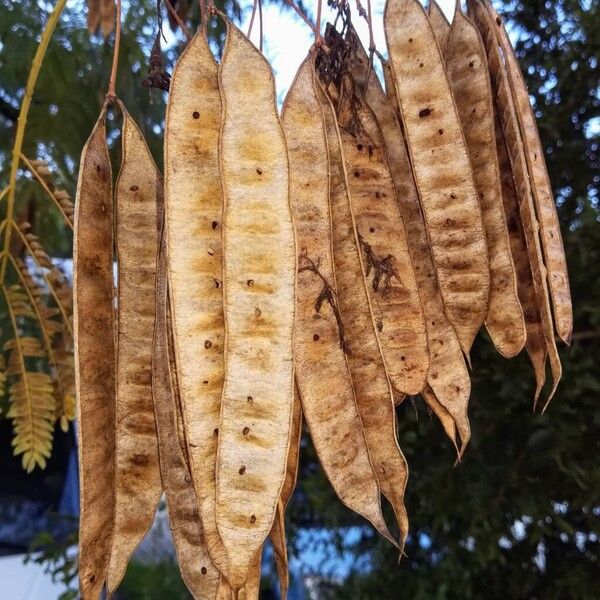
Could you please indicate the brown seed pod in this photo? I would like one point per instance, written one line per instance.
(535, 344)
(93, 15)
(446, 419)
(94, 338)
(193, 222)
(107, 17)
(439, 24)
(258, 301)
(510, 126)
(441, 167)
(551, 239)
(277, 535)
(322, 373)
(373, 392)
(447, 376)
(388, 267)
(197, 570)
(466, 65)
(138, 487)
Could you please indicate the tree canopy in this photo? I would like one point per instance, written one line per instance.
(519, 517)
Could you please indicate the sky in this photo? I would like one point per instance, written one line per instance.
(287, 38)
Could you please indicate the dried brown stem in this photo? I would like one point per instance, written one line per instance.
(111, 93)
(178, 20)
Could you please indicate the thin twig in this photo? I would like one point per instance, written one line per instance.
(308, 22)
(318, 24)
(252, 18)
(111, 93)
(260, 24)
(178, 20)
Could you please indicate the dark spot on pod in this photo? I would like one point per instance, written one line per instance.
(498, 21)
(252, 519)
(242, 470)
(214, 224)
(434, 375)
(257, 312)
(410, 40)
(377, 195)
(259, 171)
(250, 282)
(98, 169)
(370, 150)
(433, 322)
(424, 112)
(473, 111)
(217, 283)
(441, 131)
(92, 578)
(246, 430)
(211, 252)
(379, 325)
(203, 570)
(205, 382)
(216, 432)
(421, 65)
(356, 174)
(403, 358)
(471, 64)
(359, 146)
(316, 337)
(249, 399)
(372, 229)
(449, 221)
(453, 196)
(187, 479)
(134, 188)
(196, 114)
(207, 344)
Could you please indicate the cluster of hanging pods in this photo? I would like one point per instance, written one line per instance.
(320, 265)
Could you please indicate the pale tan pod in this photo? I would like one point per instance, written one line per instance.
(193, 222)
(440, 25)
(552, 244)
(388, 268)
(322, 373)
(94, 338)
(441, 167)
(373, 391)
(442, 414)
(197, 570)
(448, 375)
(466, 65)
(277, 535)
(535, 344)
(259, 277)
(138, 489)
(512, 136)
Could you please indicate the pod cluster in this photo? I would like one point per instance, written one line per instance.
(317, 266)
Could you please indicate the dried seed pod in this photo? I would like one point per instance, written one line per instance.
(391, 282)
(510, 127)
(447, 376)
(138, 488)
(374, 397)
(94, 334)
(441, 167)
(446, 419)
(107, 17)
(197, 570)
(258, 301)
(193, 222)
(277, 535)
(328, 401)
(466, 65)
(535, 343)
(439, 24)
(551, 239)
